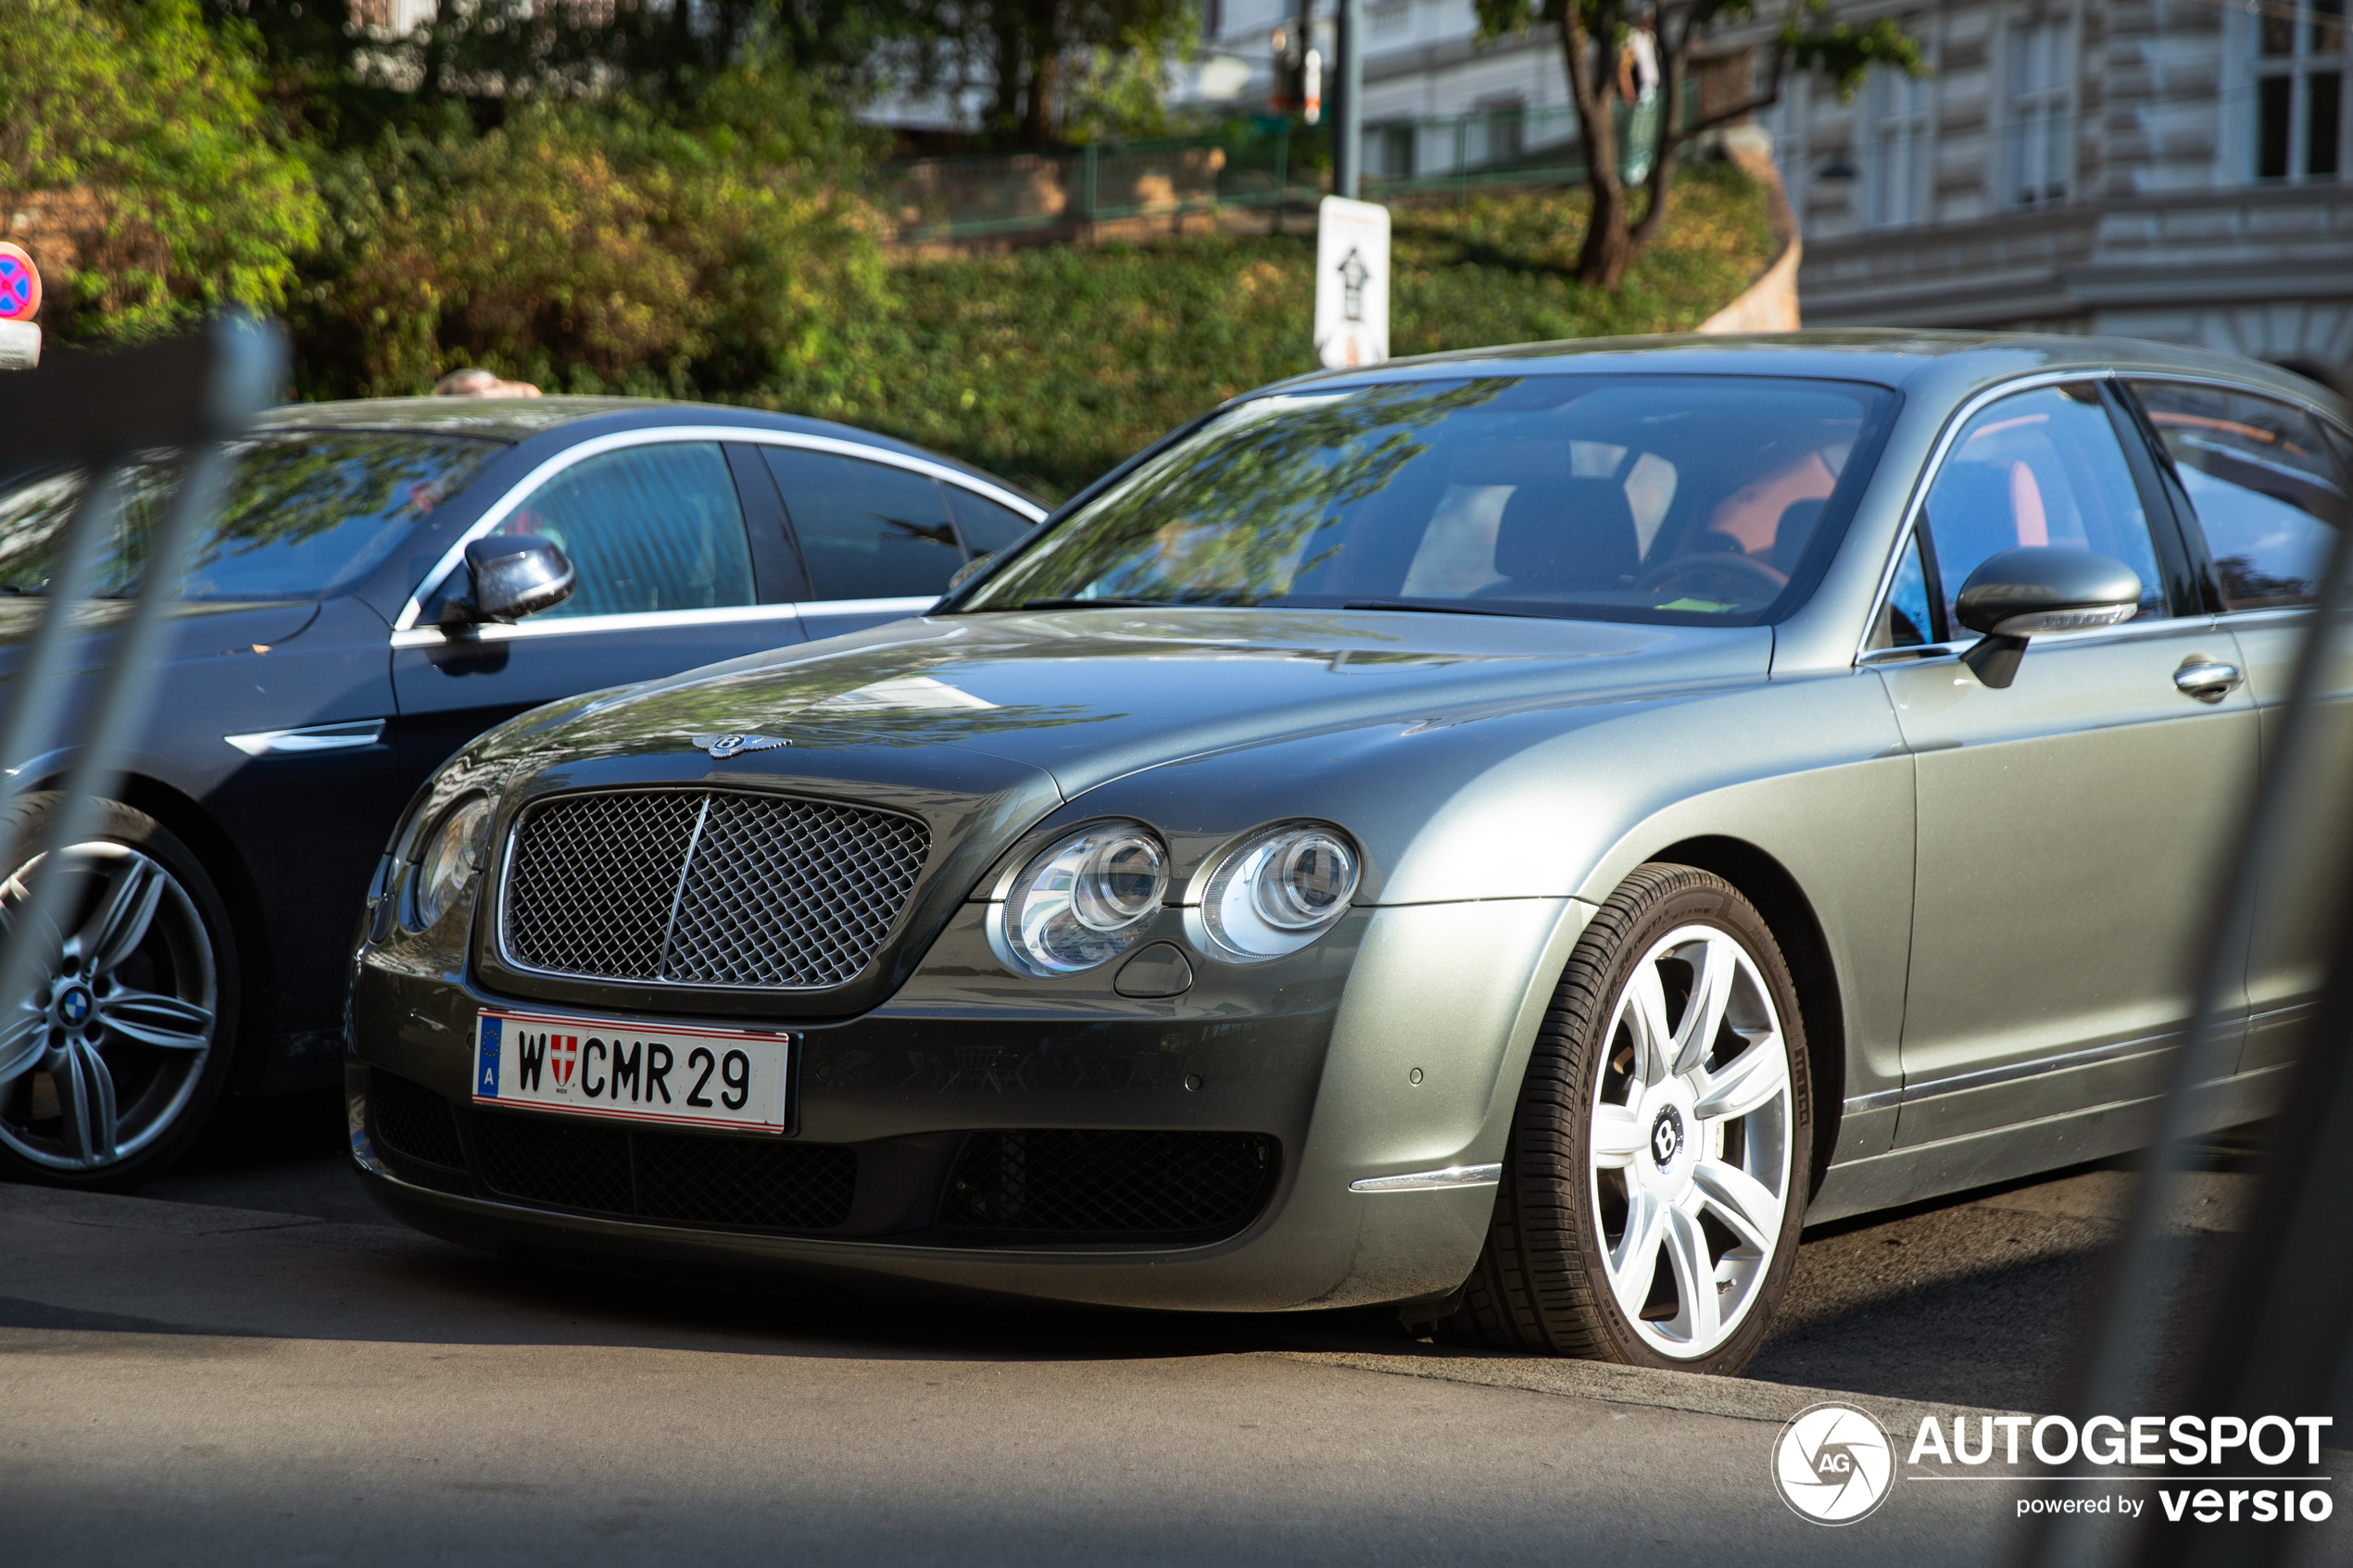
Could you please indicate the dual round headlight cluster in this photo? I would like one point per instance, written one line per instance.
(1089, 896)
(455, 852)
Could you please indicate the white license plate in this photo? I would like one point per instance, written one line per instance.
(602, 1067)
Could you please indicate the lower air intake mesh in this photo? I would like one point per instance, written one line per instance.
(412, 1121)
(1108, 1185)
(763, 1183)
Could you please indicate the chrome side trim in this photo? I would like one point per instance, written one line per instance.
(522, 488)
(1433, 1181)
(641, 620)
(1856, 1105)
(1986, 1078)
(352, 734)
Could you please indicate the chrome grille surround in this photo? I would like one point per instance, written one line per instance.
(704, 888)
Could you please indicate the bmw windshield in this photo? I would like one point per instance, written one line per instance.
(306, 513)
(1676, 499)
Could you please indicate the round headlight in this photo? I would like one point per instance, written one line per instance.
(1086, 900)
(1279, 891)
(453, 858)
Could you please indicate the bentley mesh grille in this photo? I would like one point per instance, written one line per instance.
(707, 887)
(1085, 1184)
(764, 1183)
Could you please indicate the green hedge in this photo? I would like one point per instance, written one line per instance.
(1049, 365)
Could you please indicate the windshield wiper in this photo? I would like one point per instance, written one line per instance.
(1441, 606)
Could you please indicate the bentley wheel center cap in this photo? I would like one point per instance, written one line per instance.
(1666, 1137)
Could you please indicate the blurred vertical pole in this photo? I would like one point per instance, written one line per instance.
(1348, 88)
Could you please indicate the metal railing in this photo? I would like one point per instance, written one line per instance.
(1265, 165)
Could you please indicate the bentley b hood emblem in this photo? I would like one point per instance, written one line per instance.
(724, 746)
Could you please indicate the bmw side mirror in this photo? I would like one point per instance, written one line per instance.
(2037, 589)
(514, 575)
(964, 572)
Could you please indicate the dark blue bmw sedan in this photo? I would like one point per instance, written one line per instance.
(327, 658)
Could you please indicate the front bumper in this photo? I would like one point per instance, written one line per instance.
(1395, 1045)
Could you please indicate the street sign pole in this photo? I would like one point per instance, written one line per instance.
(1348, 93)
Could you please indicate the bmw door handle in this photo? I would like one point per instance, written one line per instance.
(2206, 681)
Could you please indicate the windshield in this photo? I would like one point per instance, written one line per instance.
(306, 514)
(1660, 499)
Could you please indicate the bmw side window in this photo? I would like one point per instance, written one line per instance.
(2259, 476)
(2043, 466)
(647, 529)
(867, 531)
(987, 526)
(1905, 621)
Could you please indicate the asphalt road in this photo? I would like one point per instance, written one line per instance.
(248, 1363)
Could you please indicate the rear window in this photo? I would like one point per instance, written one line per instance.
(1649, 499)
(306, 514)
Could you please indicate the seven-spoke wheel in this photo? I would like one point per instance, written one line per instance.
(1657, 1169)
(111, 1059)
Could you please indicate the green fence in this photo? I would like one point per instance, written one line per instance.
(1267, 165)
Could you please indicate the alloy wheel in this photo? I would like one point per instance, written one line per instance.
(1690, 1141)
(102, 1056)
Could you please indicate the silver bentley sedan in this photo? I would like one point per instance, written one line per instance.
(1514, 835)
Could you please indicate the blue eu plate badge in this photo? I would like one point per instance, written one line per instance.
(486, 1060)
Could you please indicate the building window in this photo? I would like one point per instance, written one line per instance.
(2300, 64)
(2041, 65)
(1397, 151)
(1895, 174)
(1387, 21)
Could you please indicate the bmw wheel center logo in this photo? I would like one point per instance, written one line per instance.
(74, 1006)
(1833, 1464)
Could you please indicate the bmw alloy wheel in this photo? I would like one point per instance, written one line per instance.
(101, 1059)
(1690, 1141)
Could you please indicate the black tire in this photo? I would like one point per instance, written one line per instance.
(163, 1096)
(1541, 1284)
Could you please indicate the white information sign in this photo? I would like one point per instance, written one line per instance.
(1351, 283)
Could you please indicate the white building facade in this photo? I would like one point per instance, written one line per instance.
(2176, 170)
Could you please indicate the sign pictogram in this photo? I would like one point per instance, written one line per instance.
(19, 284)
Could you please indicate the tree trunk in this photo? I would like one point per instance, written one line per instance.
(1592, 77)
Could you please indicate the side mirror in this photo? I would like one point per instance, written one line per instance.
(2036, 589)
(514, 575)
(964, 572)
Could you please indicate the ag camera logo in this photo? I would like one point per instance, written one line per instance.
(1833, 1464)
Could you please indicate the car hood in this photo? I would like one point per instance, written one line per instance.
(1090, 696)
(196, 630)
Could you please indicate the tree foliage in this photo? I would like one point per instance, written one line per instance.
(152, 137)
(1592, 34)
(596, 246)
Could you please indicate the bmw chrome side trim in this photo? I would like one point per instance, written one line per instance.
(639, 620)
(1433, 1181)
(517, 492)
(353, 734)
(1856, 1105)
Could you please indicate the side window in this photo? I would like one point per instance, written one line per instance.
(987, 526)
(646, 528)
(867, 531)
(2039, 467)
(1904, 621)
(2268, 499)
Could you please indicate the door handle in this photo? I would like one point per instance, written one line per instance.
(2205, 680)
